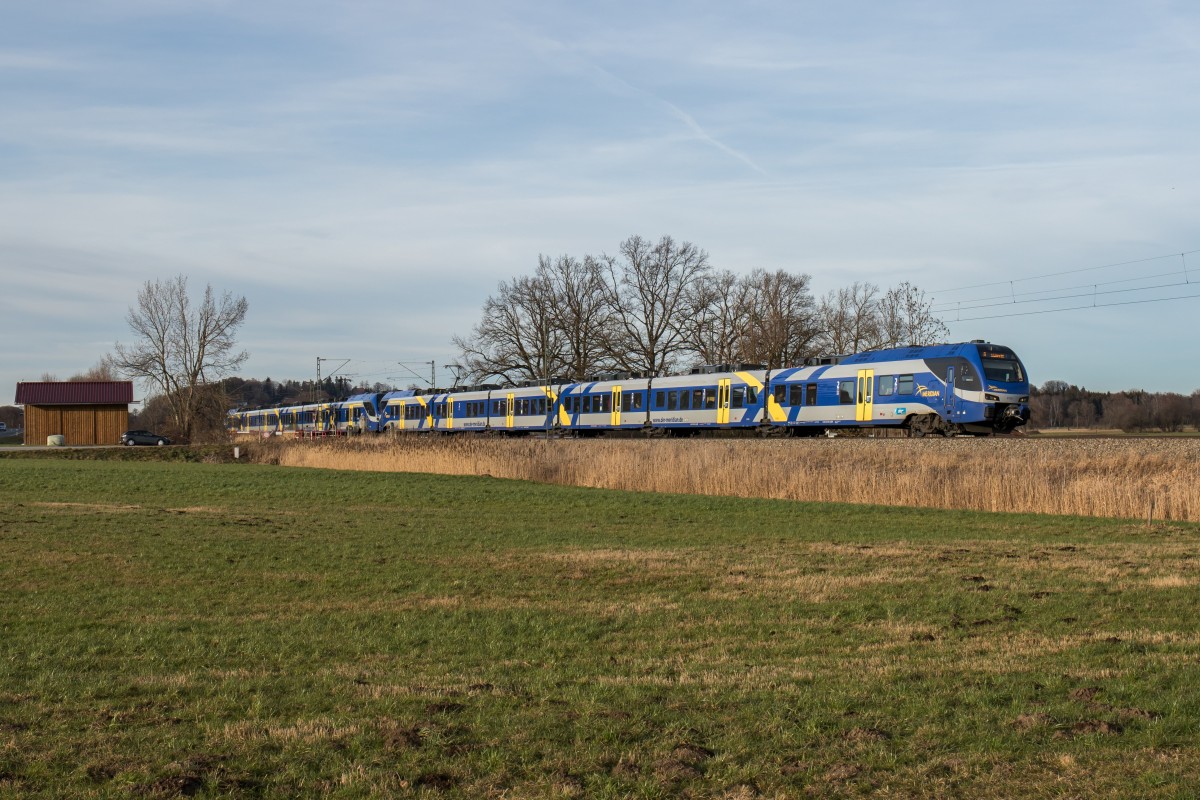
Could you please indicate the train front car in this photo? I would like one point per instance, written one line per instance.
(983, 389)
(1005, 393)
(360, 413)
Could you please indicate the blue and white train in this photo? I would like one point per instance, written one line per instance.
(970, 387)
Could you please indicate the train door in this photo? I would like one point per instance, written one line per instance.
(949, 399)
(616, 406)
(510, 409)
(864, 405)
(723, 392)
(449, 413)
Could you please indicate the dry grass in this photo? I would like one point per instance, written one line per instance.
(1085, 477)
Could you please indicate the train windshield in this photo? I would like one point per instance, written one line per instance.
(1001, 365)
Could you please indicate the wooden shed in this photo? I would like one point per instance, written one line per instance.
(85, 412)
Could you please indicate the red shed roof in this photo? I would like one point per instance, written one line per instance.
(71, 393)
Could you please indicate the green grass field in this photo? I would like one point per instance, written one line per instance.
(173, 628)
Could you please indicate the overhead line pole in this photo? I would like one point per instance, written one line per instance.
(432, 369)
(316, 388)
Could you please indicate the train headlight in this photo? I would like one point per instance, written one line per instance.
(1024, 399)
(991, 397)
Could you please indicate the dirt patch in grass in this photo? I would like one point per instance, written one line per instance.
(91, 508)
(1090, 726)
(437, 781)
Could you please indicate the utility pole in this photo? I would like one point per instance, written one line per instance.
(317, 387)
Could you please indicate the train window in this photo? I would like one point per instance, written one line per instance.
(781, 394)
(697, 399)
(672, 401)
(606, 403)
(660, 400)
(968, 376)
(1002, 367)
(965, 374)
(904, 384)
(710, 398)
(626, 401)
(685, 400)
(846, 392)
(737, 397)
(886, 385)
(751, 396)
(810, 394)
(796, 394)
(639, 400)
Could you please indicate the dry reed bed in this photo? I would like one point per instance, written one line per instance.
(1086, 477)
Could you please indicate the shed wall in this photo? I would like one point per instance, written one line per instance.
(79, 424)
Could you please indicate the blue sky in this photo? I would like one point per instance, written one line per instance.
(365, 173)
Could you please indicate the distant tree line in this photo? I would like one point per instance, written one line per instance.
(253, 393)
(655, 307)
(1058, 404)
(236, 392)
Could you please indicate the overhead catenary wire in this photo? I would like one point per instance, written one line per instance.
(1067, 272)
(952, 310)
(950, 305)
(1075, 308)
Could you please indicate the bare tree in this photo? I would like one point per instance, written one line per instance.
(1051, 404)
(715, 324)
(102, 370)
(849, 319)
(783, 326)
(518, 337)
(647, 290)
(578, 310)
(179, 349)
(905, 317)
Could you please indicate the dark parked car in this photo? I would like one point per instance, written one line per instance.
(143, 437)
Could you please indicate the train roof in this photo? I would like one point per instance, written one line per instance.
(915, 351)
